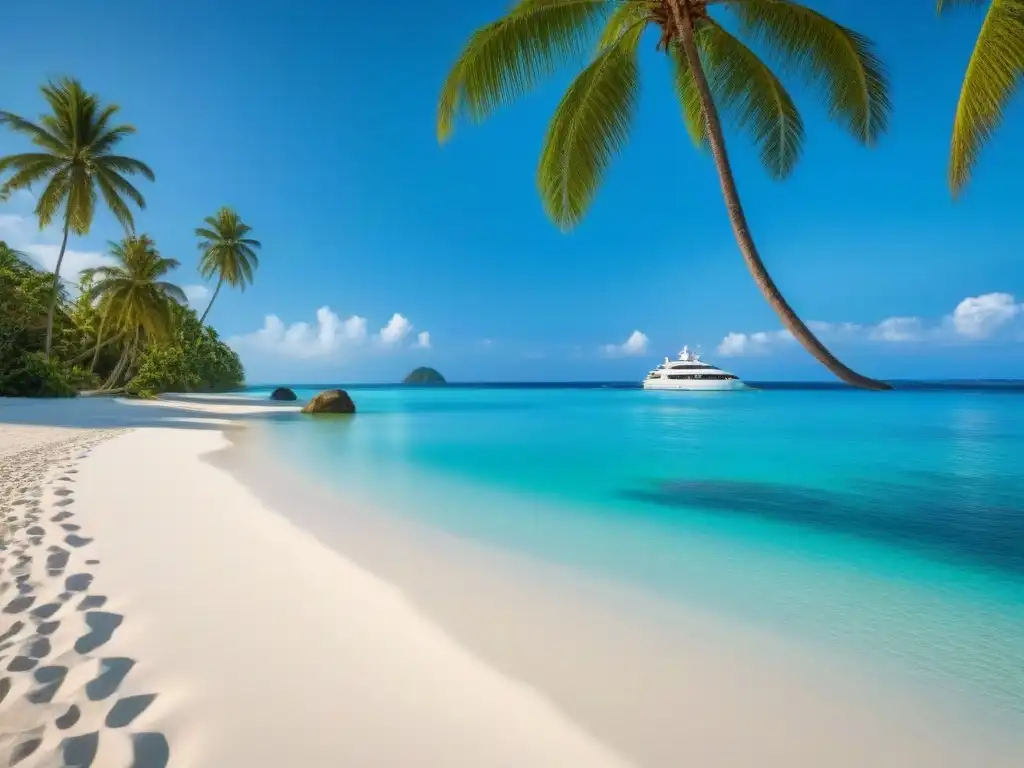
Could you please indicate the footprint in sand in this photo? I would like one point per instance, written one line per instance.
(21, 664)
(91, 602)
(14, 629)
(63, 502)
(25, 750)
(109, 680)
(50, 680)
(151, 750)
(78, 582)
(76, 541)
(101, 626)
(46, 610)
(19, 604)
(47, 627)
(40, 648)
(80, 751)
(125, 710)
(62, 516)
(57, 561)
(63, 492)
(69, 718)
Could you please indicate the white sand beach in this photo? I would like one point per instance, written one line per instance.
(157, 610)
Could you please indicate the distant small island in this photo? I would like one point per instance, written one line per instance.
(424, 376)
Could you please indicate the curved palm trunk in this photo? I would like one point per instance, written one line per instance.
(56, 288)
(739, 220)
(99, 339)
(107, 343)
(212, 299)
(122, 365)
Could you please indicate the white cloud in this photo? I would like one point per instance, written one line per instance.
(397, 329)
(979, 317)
(197, 295)
(760, 343)
(21, 232)
(976, 318)
(329, 336)
(636, 344)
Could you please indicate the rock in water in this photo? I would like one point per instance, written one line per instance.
(331, 401)
(283, 393)
(423, 376)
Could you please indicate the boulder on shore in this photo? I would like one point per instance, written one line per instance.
(283, 393)
(331, 401)
(423, 376)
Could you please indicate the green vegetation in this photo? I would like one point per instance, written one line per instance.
(75, 162)
(422, 376)
(128, 329)
(714, 72)
(229, 254)
(994, 70)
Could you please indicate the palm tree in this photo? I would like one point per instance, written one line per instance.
(133, 297)
(994, 70)
(712, 70)
(75, 161)
(228, 252)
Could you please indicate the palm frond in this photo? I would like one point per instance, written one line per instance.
(688, 95)
(749, 91)
(114, 202)
(32, 168)
(624, 16)
(81, 200)
(591, 125)
(994, 70)
(39, 135)
(170, 289)
(839, 61)
(53, 196)
(123, 164)
(101, 145)
(122, 186)
(507, 58)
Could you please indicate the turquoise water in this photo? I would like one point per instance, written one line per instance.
(885, 524)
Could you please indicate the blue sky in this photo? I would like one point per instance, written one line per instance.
(316, 122)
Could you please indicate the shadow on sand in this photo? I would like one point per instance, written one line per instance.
(176, 411)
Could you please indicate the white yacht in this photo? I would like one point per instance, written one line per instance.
(691, 373)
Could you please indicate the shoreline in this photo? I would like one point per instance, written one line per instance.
(560, 631)
(256, 604)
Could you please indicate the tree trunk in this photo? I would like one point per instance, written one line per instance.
(739, 220)
(212, 299)
(107, 343)
(56, 287)
(122, 364)
(99, 338)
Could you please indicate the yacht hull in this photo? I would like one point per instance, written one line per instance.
(696, 385)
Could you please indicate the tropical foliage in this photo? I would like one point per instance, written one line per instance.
(714, 72)
(128, 321)
(128, 330)
(993, 73)
(24, 302)
(228, 253)
(192, 359)
(74, 162)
